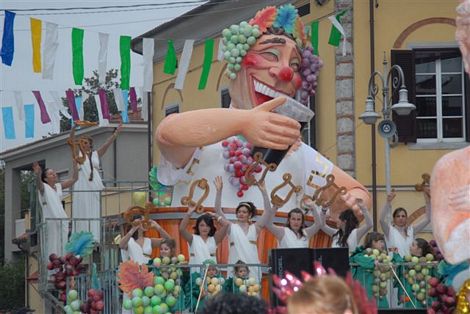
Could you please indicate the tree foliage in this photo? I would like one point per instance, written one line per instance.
(12, 286)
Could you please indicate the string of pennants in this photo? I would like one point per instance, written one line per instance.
(44, 56)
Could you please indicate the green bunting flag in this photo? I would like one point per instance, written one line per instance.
(170, 59)
(206, 67)
(77, 55)
(125, 51)
(314, 38)
(337, 29)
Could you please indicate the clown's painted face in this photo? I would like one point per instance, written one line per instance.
(269, 69)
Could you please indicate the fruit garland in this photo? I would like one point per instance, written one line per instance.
(382, 272)
(248, 286)
(417, 273)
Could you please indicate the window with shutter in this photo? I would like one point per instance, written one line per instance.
(225, 98)
(437, 85)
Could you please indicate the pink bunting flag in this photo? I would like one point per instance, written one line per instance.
(133, 99)
(73, 108)
(104, 104)
(42, 107)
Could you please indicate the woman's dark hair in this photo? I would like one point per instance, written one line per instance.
(90, 141)
(208, 220)
(398, 210)
(371, 237)
(171, 243)
(296, 211)
(351, 223)
(229, 303)
(240, 264)
(44, 175)
(424, 246)
(250, 206)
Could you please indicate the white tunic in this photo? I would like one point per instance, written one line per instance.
(56, 230)
(243, 246)
(290, 240)
(352, 241)
(396, 240)
(85, 203)
(208, 162)
(199, 251)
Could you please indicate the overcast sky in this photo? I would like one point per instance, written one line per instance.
(115, 21)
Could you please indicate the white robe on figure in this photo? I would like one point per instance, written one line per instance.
(138, 254)
(199, 251)
(56, 232)
(396, 240)
(208, 162)
(352, 241)
(290, 240)
(85, 203)
(243, 246)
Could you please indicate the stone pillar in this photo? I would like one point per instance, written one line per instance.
(345, 122)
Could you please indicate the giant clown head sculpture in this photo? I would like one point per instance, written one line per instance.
(269, 57)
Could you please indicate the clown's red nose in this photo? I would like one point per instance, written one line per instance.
(286, 74)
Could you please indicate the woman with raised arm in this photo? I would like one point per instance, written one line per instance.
(348, 234)
(398, 234)
(293, 234)
(243, 233)
(86, 202)
(203, 243)
(50, 197)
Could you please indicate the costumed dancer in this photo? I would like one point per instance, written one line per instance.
(243, 234)
(349, 234)
(371, 266)
(398, 234)
(50, 198)
(86, 201)
(205, 239)
(265, 73)
(241, 282)
(203, 285)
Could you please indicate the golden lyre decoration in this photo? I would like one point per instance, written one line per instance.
(318, 196)
(258, 159)
(463, 299)
(76, 146)
(188, 200)
(426, 179)
(138, 210)
(279, 201)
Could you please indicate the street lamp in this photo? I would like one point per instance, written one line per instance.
(387, 127)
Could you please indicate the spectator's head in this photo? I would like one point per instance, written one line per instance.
(229, 303)
(400, 217)
(245, 211)
(375, 240)
(241, 270)
(323, 295)
(205, 226)
(167, 247)
(420, 247)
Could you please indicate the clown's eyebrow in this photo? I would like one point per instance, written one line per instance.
(275, 40)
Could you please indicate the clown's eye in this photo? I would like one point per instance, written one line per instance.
(295, 65)
(270, 55)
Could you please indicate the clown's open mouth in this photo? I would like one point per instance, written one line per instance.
(264, 93)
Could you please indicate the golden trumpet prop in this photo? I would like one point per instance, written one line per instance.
(279, 201)
(319, 196)
(250, 178)
(188, 200)
(426, 180)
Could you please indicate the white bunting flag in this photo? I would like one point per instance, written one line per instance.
(184, 63)
(51, 43)
(148, 46)
(103, 57)
(19, 104)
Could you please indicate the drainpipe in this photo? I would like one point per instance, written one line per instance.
(372, 127)
(149, 138)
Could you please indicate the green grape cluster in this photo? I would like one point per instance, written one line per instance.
(237, 41)
(382, 272)
(417, 273)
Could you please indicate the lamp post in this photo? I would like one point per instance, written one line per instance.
(387, 127)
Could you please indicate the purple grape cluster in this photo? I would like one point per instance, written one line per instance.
(436, 251)
(309, 69)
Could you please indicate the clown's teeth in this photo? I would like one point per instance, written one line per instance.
(265, 90)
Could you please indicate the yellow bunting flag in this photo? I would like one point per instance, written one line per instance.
(36, 30)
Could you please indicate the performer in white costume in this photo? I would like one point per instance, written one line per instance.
(398, 234)
(50, 197)
(349, 234)
(270, 69)
(203, 243)
(138, 248)
(243, 234)
(85, 202)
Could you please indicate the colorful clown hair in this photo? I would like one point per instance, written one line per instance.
(238, 39)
